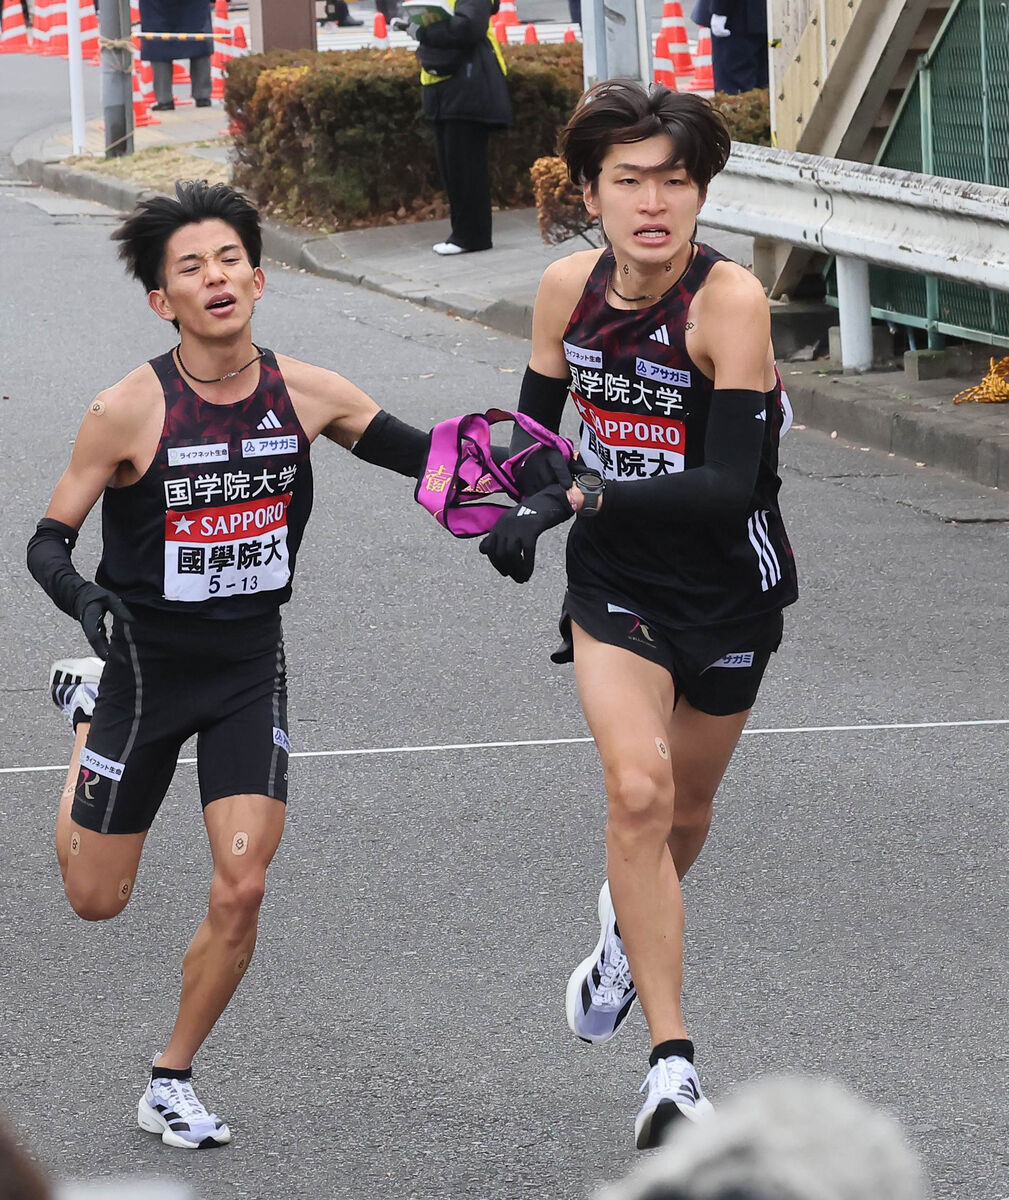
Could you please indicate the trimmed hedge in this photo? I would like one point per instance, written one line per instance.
(339, 140)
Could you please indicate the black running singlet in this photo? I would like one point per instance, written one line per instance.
(644, 408)
(214, 524)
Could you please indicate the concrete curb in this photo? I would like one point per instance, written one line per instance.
(882, 410)
(868, 410)
(85, 185)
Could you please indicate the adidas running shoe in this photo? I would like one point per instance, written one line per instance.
(674, 1094)
(172, 1109)
(73, 685)
(601, 992)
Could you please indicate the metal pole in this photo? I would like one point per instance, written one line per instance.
(646, 70)
(76, 75)
(593, 43)
(935, 338)
(855, 312)
(117, 84)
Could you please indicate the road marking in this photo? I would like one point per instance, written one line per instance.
(784, 729)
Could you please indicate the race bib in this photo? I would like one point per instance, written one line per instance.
(628, 445)
(233, 550)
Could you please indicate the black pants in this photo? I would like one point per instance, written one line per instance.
(739, 62)
(199, 72)
(464, 163)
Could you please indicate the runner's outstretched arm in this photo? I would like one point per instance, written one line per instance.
(102, 444)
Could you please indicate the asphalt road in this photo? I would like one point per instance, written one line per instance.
(401, 1032)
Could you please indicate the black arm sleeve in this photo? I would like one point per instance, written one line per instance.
(391, 443)
(720, 489)
(541, 397)
(49, 563)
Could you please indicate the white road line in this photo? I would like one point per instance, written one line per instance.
(785, 729)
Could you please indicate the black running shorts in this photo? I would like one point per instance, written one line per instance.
(717, 669)
(169, 677)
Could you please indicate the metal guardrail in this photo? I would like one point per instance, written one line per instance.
(864, 214)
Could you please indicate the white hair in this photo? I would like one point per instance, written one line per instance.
(783, 1138)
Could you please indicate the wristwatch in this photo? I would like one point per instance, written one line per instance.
(592, 485)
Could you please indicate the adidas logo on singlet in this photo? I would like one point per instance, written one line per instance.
(660, 335)
(270, 421)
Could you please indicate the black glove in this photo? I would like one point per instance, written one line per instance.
(542, 468)
(90, 606)
(511, 544)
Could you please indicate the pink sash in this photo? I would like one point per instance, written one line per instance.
(460, 473)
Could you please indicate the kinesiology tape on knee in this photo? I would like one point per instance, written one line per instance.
(541, 397)
(721, 488)
(391, 443)
(49, 563)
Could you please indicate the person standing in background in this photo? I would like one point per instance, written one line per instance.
(177, 16)
(465, 96)
(738, 42)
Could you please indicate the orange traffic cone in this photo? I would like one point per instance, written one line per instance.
(217, 76)
(570, 36)
(141, 116)
(13, 31)
(380, 32)
(663, 72)
(57, 42)
(147, 83)
(222, 49)
(531, 36)
(507, 14)
(89, 33)
(239, 42)
(704, 75)
(181, 78)
(501, 31)
(679, 47)
(40, 26)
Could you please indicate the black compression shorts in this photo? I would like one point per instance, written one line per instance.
(169, 677)
(717, 669)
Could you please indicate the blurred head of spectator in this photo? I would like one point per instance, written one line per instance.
(20, 1177)
(782, 1138)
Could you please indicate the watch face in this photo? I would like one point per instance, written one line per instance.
(589, 479)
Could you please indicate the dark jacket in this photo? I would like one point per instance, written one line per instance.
(701, 14)
(743, 16)
(476, 89)
(175, 16)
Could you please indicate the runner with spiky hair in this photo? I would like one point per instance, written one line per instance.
(201, 460)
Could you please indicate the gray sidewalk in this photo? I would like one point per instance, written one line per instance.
(883, 410)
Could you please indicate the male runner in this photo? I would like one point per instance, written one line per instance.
(201, 458)
(678, 564)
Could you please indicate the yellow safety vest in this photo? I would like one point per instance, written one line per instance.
(427, 77)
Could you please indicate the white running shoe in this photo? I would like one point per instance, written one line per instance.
(171, 1108)
(444, 248)
(674, 1094)
(601, 992)
(73, 685)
